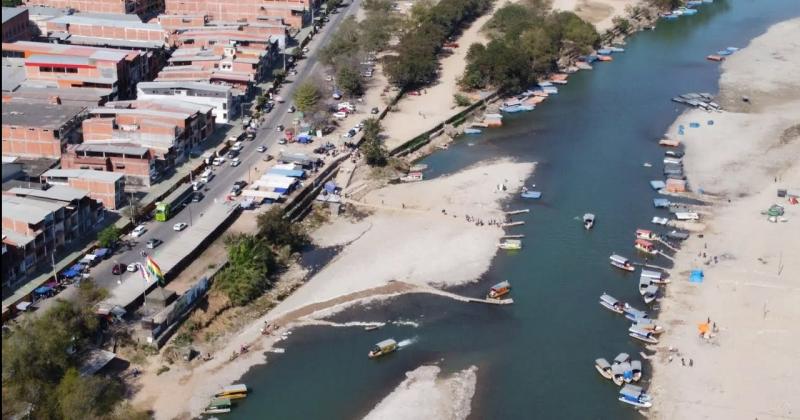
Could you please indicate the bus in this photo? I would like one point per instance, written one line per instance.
(169, 206)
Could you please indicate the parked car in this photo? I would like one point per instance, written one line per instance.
(232, 154)
(237, 146)
(118, 269)
(281, 140)
(340, 115)
(374, 110)
(153, 242)
(235, 162)
(197, 196)
(329, 78)
(218, 161)
(198, 185)
(268, 158)
(179, 226)
(132, 267)
(261, 149)
(279, 127)
(138, 231)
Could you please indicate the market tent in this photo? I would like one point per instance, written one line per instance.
(101, 252)
(330, 187)
(70, 273)
(23, 306)
(43, 290)
(703, 328)
(696, 276)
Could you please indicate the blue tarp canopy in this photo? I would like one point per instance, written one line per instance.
(292, 173)
(696, 276)
(330, 187)
(101, 252)
(660, 202)
(42, 290)
(70, 273)
(77, 267)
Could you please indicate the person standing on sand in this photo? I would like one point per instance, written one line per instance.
(683, 361)
(691, 362)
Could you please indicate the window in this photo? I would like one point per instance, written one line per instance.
(224, 105)
(46, 69)
(72, 70)
(118, 166)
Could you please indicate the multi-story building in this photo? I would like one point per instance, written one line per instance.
(136, 163)
(15, 24)
(108, 27)
(65, 66)
(293, 13)
(219, 97)
(145, 9)
(34, 130)
(39, 223)
(105, 187)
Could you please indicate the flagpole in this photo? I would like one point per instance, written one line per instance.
(144, 271)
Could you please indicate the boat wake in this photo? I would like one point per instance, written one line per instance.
(407, 342)
(406, 323)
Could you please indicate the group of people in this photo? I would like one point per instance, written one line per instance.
(480, 222)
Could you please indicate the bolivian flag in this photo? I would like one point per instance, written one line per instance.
(154, 273)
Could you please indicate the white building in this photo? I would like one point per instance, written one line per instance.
(219, 97)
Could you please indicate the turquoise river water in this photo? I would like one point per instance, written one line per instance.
(535, 357)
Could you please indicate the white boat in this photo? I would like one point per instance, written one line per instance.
(635, 396)
(649, 325)
(660, 220)
(644, 283)
(632, 313)
(412, 177)
(650, 294)
(636, 368)
(622, 358)
(621, 262)
(611, 303)
(588, 221)
(642, 335)
(472, 131)
(603, 368)
(619, 372)
(687, 215)
(510, 244)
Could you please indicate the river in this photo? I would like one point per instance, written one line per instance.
(535, 357)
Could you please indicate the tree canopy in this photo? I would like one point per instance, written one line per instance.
(249, 261)
(108, 236)
(306, 97)
(349, 81)
(372, 145)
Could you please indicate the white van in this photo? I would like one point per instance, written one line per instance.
(206, 176)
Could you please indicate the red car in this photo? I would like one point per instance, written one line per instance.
(118, 269)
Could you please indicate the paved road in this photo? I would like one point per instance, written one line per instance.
(219, 187)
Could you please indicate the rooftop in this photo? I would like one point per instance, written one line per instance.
(44, 48)
(183, 85)
(101, 19)
(58, 59)
(112, 42)
(112, 148)
(56, 193)
(73, 96)
(39, 115)
(11, 12)
(16, 239)
(84, 174)
(28, 210)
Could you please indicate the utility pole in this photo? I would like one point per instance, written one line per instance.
(53, 262)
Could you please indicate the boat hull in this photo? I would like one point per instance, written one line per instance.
(623, 267)
(648, 340)
(646, 404)
(604, 373)
(611, 308)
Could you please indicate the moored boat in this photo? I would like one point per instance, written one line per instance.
(384, 347)
(715, 57)
(678, 235)
(498, 290)
(636, 369)
(632, 313)
(621, 262)
(635, 396)
(510, 244)
(603, 368)
(611, 303)
(531, 194)
(646, 234)
(588, 221)
(604, 58)
(233, 391)
(412, 177)
(649, 325)
(659, 220)
(650, 294)
(622, 358)
(620, 372)
(218, 406)
(645, 246)
(644, 283)
(583, 65)
(472, 131)
(642, 335)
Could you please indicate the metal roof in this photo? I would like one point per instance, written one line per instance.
(28, 210)
(84, 174)
(105, 20)
(11, 12)
(183, 85)
(57, 59)
(16, 239)
(97, 41)
(112, 148)
(56, 192)
(39, 115)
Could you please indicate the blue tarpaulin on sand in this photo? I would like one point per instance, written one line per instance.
(696, 276)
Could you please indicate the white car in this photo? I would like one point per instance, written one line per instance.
(132, 267)
(236, 162)
(340, 115)
(198, 185)
(218, 161)
(138, 231)
(179, 226)
(234, 138)
(237, 146)
(261, 149)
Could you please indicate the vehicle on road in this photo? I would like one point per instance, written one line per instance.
(166, 208)
(291, 109)
(198, 185)
(279, 127)
(197, 197)
(238, 186)
(236, 162)
(138, 231)
(237, 146)
(177, 227)
(374, 110)
(153, 242)
(235, 138)
(232, 154)
(118, 269)
(261, 149)
(306, 50)
(268, 158)
(132, 267)
(218, 161)
(329, 78)
(206, 176)
(340, 115)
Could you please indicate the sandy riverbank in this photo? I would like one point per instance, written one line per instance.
(749, 368)
(424, 395)
(597, 12)
(406, 237)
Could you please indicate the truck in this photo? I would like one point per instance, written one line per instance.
(168, 207)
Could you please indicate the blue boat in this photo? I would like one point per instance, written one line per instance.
(732, 49)
(591, 58)
(531, 194)
(724, 52)
(472, 131)
(670, 16)
(616, 49)
(635, 395)
(604, 51)
(689, 12)
(693, 3)
(660, 203)
(708, 1)
(658, 185)
(545, 84)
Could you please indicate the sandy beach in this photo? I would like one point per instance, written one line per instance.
(428, 247)
(598, 13)
(748, 368)
(425, 395)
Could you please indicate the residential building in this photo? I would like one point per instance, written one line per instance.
(219, 97)
(40, 130)
(136, 163)
(65, 66)
(101, 28)
(293, 13)
(39, 223)
(105, 187)
(15, 24)
(145, 9)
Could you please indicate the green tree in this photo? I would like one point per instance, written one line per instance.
(378, 6)
(376, 31)
(109, 236)
(279, 231)
(250, 259)
(86, 397)
(344, 42)
(624, 25)
(372, 147)
(306, 97)
(12, 3)
(349, 80)
(461, 100)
